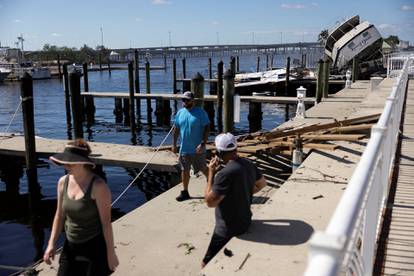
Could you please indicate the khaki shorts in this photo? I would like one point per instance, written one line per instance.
(197, 161)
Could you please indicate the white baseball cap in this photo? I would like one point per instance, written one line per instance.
(226, 142)
(188, 95)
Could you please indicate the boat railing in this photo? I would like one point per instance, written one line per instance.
(348, 245)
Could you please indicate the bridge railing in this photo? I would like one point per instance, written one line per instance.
(347, 246)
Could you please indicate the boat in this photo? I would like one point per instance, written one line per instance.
(4, 73)
(353, 39)
(16, 71)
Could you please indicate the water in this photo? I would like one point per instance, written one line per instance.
(22, 238)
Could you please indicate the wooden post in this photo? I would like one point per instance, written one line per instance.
(137, 88)
(197, 87)
(166, 112)
(174, 76)
(267, 62)
(59, 70)
(29, 133)
(258, 64)
(184, 72)
(355, 69)
(148, 82)
(271, 62)
(159, 111)
(233, 65)
(228, 101)
(220, 96)
(210, 73)
(209, 106)
(118, 110)
(67, 101)
(325, 89)
(109, 64)
(165, 62)
(255, 116)
(237, 64)
(319, 85)
(186, 84)
(74, 89)
(90, 106)
(131, 96)
(287, 76)
(100, 60)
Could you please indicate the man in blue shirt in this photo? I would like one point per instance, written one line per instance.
(192, 125)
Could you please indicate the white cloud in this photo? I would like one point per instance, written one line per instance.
(386, 26)
(315, 5)
(160, 2)
(56, 34)
(293, 6)
(215, 22)
(138, 19)
(407, 8)
(17, 21)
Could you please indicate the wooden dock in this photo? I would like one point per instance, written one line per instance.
(165, 237)
(102, 153)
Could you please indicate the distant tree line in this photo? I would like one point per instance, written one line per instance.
(50, 53)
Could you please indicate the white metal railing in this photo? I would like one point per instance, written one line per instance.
(395, 63)
(347, 246)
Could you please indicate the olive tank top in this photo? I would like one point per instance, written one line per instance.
(82, 221)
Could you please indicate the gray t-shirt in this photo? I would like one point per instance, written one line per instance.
(235, 181)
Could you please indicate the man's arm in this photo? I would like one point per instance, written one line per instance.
(212, 199)
(176, 132)
(259, 184)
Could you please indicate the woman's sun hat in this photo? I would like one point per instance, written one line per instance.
(72, 155)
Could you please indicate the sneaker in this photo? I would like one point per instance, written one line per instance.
(184, 195)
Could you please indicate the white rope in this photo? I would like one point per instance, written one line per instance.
(14, 115)
(139, 174)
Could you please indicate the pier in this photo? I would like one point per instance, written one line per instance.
(164, 237)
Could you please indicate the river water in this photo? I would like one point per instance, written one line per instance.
(22, 238)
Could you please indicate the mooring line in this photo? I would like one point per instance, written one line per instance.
(139, 174)
(14, 115)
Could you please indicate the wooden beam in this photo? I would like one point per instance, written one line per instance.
(334, 137)
(320, 146)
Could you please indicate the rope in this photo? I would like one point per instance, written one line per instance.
(14, 115)
(139, 174)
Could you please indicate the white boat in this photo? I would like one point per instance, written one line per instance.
(352, 39)
(4, 72)
(16, 71)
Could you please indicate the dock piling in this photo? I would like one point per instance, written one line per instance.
(220, 96)
(59, 69)
(148, 83)
(325, 85)
(29, 133)
(233, 65)
(137, 88)
(255, 116)
(74, 89)
(237, 64)
(67, 101)
(90, 106)
(355, 69)
(258, 64)
(228, 101)
(109, 64)
(197, 87)
(287, 76)
(131, 96)
(319, 82)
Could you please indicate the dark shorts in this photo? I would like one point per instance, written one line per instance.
(216, 244)
(84, 259)
(197, 161)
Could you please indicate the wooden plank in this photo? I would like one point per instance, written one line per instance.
(334, 137)
(317, 127)
(352, 128)
(320, 146)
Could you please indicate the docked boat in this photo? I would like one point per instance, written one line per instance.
(16, 71)
(4, 73)
(352, 39)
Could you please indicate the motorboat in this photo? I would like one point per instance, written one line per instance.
(16, 71)
(4, 73)
(352, 39)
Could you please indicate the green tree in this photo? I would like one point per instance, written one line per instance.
(392, 40)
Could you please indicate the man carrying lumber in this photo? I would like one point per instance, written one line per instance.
(230, 191)
(193, 125)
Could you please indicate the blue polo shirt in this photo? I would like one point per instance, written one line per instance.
(191, 124)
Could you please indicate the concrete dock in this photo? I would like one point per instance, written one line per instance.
(165, 237)
(102, 153)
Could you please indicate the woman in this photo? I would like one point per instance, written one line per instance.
(84, 208)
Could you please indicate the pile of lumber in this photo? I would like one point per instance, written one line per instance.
(316, 136)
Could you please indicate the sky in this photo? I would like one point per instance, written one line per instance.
(146, 23)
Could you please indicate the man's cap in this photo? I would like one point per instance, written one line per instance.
(226, 142)
(188, 95)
